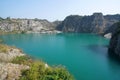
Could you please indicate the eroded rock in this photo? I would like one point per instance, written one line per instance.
(10, 71)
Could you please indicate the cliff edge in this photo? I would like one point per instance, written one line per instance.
(114, 46)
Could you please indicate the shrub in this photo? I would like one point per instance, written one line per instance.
(1, 19)
(38, 71)
(8, 18)
(22, 60)
(1, 41)
(23, 32)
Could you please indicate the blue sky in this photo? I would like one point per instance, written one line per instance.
(56, 9)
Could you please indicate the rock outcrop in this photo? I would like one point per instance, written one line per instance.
(9, 54)
(28, 25)
(8, 70)
(108, 35)
(96, 23)
(114, 47)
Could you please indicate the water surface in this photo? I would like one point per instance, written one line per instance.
(84, 55)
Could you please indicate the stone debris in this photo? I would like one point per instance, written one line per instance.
(10, 71)
(108, 35)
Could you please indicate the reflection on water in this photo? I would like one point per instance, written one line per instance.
(98, 49)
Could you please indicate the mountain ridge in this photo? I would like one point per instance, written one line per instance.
(96, 23)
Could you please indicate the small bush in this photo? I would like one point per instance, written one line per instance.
(23, 32)
(4, 48)
(22, 60)
(1, 41)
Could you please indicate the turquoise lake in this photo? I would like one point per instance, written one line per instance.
(84, 55)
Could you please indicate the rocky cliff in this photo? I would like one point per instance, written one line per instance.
(96, 23)
(114, 47)
(29, 25)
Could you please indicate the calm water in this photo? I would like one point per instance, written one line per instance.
(84, 55)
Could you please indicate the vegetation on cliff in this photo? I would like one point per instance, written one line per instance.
(41, 71)
(1, 41)
(3, 48)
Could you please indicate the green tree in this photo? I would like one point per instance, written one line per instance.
(36, 19)
(1, 19)
(8, 18)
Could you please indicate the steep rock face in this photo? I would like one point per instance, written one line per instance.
(96, 23)
(114, 47)
(111, 19)
(70, 24)
(34, 25)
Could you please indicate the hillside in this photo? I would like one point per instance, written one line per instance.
(27, 25)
